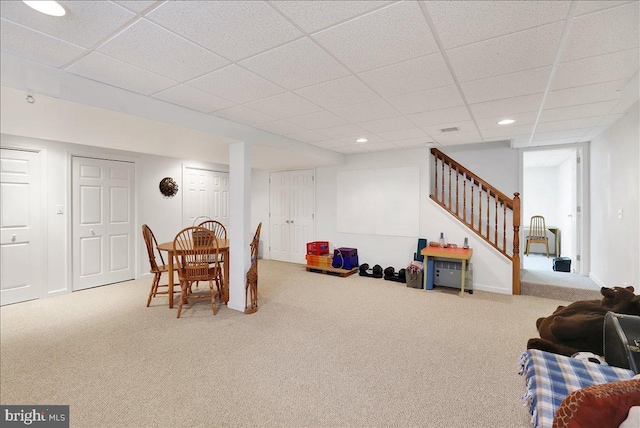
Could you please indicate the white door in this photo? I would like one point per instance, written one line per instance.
(205, 196)
(20, 229)
(103, 222)
(292, 217)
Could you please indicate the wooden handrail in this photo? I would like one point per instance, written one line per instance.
(484, 225)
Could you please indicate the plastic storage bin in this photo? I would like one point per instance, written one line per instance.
(319, 261)
(345, 258)
(318, 247)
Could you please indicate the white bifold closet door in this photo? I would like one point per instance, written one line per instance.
(291, 214)
(205, 196)
(21, 235)
(103, 222)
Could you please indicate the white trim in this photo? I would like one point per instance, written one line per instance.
(596, 280)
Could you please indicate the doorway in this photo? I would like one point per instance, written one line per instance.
(103, 221)
(20, 229)
(291, 214)
(551, 183)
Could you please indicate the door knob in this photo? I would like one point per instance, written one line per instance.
(93, 233)
(13, 238)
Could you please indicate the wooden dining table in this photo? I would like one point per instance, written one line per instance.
(223, 248)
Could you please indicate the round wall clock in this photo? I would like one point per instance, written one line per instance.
(168, 187)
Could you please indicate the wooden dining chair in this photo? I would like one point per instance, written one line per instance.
(193, 249)
(251, 286)
(537, 233)
(156, 269)
(220, 232)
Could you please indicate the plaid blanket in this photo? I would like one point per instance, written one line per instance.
(551, 377)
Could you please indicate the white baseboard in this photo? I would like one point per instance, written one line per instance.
(491, 289)
(235, 307)
(596, 280)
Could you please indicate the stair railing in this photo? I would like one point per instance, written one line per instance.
(481, 207)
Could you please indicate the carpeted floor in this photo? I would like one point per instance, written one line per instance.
(322, 351)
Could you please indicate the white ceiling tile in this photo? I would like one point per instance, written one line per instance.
(307, 136)
(619, 109)
(435, 117)
(153, 48)
(506, 132)
(607, 31)
(280, 127)
(378, 109)
(329, 144)
(569, 133)
(577, 112)
(371, 139)
(344, 131)
(315, 15)
(592, 6)
(432, 99)
(321, 119)
(563, 125)
(403, 134)
(527, 49)
(392, 34)
(463, 128)
(409, 76)
(85, 24)
(378, 147)
(507, 85)
(232, 29)
(454, 138)
(412, 142)
(243, 114)
(337, 93)
(462, 22)
(296, 64)
(594, 132)
(507, 106)
(236, 84)
(113, 72)
(34, 46)
(597, 69)
(284, 105)
(520, 118)
(137, 6)
(389, 124)
(606, 91)
(193, 98)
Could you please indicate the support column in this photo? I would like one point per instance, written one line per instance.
(239, 222)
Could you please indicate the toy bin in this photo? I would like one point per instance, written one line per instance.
(318, 247)
(319, 261)
(345, 258)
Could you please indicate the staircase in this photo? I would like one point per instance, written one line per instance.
(485, 210)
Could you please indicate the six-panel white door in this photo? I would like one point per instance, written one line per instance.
(206, 195)
(103, 222)
(20, 226)
(292, 217)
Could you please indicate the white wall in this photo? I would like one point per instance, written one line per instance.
(566, 201)
(540, 195)
(492, 271)
(163, 215)
(615, 185)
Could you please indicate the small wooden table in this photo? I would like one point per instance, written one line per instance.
(463, 254)
(223, 248)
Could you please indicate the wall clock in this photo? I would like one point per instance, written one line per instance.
(168, 187)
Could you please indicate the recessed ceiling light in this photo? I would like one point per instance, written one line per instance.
(51, 8)
(506, 122)
(361, 140)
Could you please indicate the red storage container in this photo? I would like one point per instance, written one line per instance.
(318, 247)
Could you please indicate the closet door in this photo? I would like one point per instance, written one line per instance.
(205, 196)
(103, 222)
(292, 218)
(20, 226)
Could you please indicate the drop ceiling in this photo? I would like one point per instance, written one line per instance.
(329, 72)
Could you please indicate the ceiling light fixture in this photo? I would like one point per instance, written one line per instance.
(50, 8)
(506, 122)
(30, 99)
(361, 140)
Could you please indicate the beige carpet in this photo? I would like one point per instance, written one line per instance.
(322, 351)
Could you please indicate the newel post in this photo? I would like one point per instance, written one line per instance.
(516, 245)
